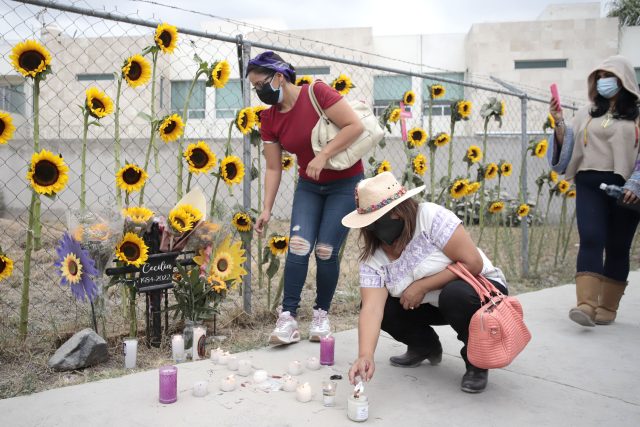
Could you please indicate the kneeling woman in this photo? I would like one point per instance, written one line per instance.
(404, 283)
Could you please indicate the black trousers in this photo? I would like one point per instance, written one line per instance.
(457, 304)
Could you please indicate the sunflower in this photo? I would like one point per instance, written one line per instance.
(132, 250)
(30, 58)
(232, 170)
(6, 127)
(98, 103)
(563, 186)
(464, 109)
(409, 97)
(136, 70)
(506, 168)
(195, 213)
(490, 171)
(76, 269)
(137, 214)
(553, 176)
(217, 285)
(437, 91)
(503, 109)
(287, 162)
(459, 188)
(442, 139)
(181, 220)
(496, 207)
(131, 178)
(523, 210)
(541, 148)
(395, 115)
(304, 80)
(472, 187)
(550, 123)
(166, 37)
(342, 84)
(199, 157)
(48, 173)
(222, 265)
(257, 110)
(219, 75)
(6, 266)
(416, 137)
(571, 194)
(384, 166)
(419, 164)
(245, 120)
(171, 128)
(236, 255)
(474, 154)
(279, 244)
(242, 222)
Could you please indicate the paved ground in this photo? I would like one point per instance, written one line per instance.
(567, 376)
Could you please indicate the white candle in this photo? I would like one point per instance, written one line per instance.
(228, 383)
(223, 359)
(200, 389)
(295, 367)
(289, 383)
(259, 376)
(329, 393)
(177, 348)
(130, 349)
(244, 367)
(197, 349)
(215, 355)
(232, 363)
(303, 393)
(313, 363)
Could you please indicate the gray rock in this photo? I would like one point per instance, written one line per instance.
(85, 348)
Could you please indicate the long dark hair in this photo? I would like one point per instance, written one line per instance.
(624, 108)
(408, 211)
(269, 72)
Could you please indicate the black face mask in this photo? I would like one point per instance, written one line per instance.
(269, 95)
(387, 229)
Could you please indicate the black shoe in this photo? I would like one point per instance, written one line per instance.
(414, 357)
(474, 380)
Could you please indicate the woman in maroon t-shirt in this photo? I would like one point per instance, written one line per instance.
(322, 196)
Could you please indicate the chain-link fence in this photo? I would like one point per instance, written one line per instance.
(88, 48)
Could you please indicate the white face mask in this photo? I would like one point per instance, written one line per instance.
(607, 86)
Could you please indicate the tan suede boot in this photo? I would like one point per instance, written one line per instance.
(588, 286)
(612, 291)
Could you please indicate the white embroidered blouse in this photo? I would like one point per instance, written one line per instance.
(422, 257)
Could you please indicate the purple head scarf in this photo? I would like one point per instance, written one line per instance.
(267, 60)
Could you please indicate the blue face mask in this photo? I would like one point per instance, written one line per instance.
(607, 86)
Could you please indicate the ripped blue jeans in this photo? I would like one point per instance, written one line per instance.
(316, 227)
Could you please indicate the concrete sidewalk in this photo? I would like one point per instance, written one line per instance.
(568, 375)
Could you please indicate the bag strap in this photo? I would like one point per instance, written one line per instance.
(479, 283)
(314, 100)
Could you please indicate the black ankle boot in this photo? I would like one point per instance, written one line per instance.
(413, 357)
(474, 380)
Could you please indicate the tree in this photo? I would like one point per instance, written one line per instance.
(627, 11)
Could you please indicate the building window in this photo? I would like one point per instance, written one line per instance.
(540, 63)
(442, 106)
(313, 71)
(13, 99)
(197, 103)
(229, 99)
(388, 89)
(637, 74)
(94, 77)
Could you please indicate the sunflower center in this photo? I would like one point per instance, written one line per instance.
(165, 37)
(170, 127)
(417, 135)
(243, 120)
(222, 265)
(280, 244)
(218, 73)
(96, 104)
(31, 60)
(341, 85)
(199, 158)
(135, 71)
(231, 170)
(131, 176)
(180, 222)
(46, 173)
(2, 126)
(72, 266)
(130, 250)
(242, 222)
(3, 265)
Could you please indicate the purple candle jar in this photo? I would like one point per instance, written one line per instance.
(168, 384)
(327, 347)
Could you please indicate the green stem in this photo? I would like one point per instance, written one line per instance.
(484, 139)
(563, 214)
(133, 317)
(541, 239)
(531, 233)
(188, 184)
(278, 293)
(483, 207)
(227, 149)
(268, 291)
(83, 162)
(260, 242)
(495, 237)
(213, 199)
(522, 167)
(151, 145)
(450, 162)
(509, 244)
(117, 141)
(37, 226)
(24, 304)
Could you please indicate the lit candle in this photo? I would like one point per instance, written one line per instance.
(223, 359)
(303, 393)
(197, 349)
(259, 376)
(313, 363)
(215, 355)
(244, 367)
(168, 384)
(177, 348)
(200, 389)
(289, 383)
(358, 404)
(232, 363)
(327, 348)
(228, 383)
(130, 350)
(295, 367)
(329, 393)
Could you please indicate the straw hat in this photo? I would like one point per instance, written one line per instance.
(375, 197)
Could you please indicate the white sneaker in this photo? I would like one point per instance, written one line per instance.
(286, 330)
(320, 326)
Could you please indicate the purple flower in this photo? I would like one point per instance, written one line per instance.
(76, 269)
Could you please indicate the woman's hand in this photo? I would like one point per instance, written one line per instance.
(412, 296)
(316, 165)
(363, 367)
(629, 197)
(262, 222)
(555, 110)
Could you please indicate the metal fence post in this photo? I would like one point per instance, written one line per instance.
(524, 225)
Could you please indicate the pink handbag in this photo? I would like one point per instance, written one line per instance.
(497, 333)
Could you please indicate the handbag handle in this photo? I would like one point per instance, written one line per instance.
(314, 101)
(479, 283)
